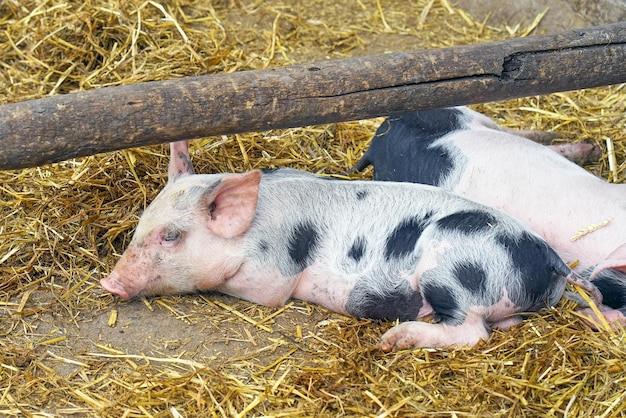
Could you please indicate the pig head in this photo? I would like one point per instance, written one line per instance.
(191, 217)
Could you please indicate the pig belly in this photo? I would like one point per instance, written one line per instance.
(323, 286)
(557, 199)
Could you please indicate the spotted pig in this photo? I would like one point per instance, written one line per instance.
(367, 249)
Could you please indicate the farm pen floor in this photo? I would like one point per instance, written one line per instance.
(68, 348)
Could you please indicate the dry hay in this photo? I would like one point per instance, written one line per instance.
(68, 348)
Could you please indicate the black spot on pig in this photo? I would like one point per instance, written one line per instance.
(401, 242)
(444, 304)
(612, 285)
(263, 246)
(361, 194)
(539, 266)
(402, 150)
(435, 123)
(357, 249)
(302, 244)
(399, 301)
(468, 222)
(471, 277)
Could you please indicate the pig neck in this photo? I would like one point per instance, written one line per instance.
(258, 284)
(269, 287)
(262, 275)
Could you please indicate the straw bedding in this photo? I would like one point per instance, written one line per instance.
(67, 348)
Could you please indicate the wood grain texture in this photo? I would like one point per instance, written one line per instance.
(73, 125)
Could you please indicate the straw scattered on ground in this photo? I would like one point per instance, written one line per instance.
(67, 348)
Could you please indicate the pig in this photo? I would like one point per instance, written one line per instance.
(395, 251)
(580, 215)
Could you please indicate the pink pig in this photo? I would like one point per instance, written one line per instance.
(581, 216)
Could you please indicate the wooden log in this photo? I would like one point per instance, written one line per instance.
(79, 124)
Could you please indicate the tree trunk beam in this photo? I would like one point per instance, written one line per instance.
(73, 125)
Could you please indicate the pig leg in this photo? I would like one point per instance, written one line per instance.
(581, 153)
(415, 334)
(542, 137)
(586, 285)
(616, 318)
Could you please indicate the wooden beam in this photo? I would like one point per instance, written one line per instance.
(79, 124)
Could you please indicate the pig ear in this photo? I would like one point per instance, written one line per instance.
(231, 205)
(180, 163)
(616, 260)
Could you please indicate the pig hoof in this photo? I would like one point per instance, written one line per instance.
(407, 335)
(396, 342)
(587, 286)
(614, 317)
(400, 337)
(581, 153)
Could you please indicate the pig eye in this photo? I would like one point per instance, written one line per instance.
(171, 235)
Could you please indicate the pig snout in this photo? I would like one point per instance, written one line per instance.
(113, 285)
(130, 275)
